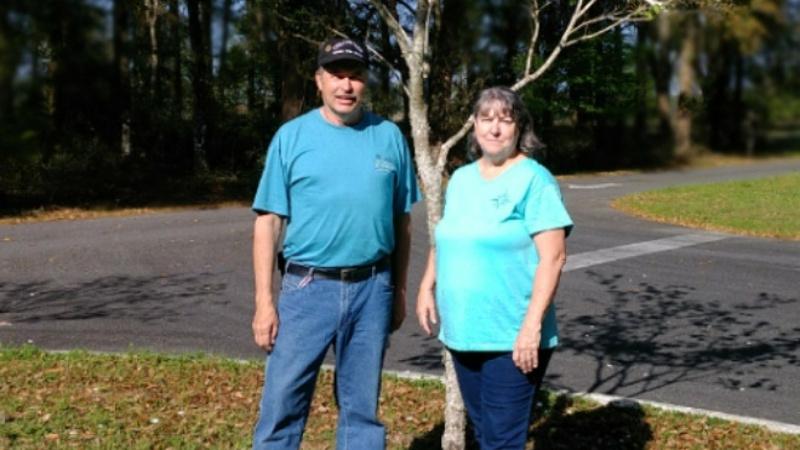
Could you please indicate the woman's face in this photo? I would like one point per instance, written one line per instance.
(496, 132)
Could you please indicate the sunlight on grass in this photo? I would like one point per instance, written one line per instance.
(768, 207)
(96, 212)
(151, 401)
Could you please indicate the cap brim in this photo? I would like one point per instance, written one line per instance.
(341, 58)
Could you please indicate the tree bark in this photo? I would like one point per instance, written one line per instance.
(682, 125)
(177, 55)
(662, 72)
(122, 45)
(199, 38)
(151, 13)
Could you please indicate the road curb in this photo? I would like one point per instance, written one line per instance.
(604, 399)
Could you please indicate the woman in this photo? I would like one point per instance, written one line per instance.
(499, 251)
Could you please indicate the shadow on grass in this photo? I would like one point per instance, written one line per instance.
(617, 425)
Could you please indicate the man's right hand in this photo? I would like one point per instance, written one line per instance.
(265, 325)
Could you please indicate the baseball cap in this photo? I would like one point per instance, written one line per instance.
(341, 49)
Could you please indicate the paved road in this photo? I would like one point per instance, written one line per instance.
(646, 310)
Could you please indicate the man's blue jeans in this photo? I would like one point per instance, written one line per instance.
(353, 316)
(498, 396)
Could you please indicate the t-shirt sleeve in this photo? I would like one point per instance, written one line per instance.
(407, 192)
(544, 207)
(273, 189)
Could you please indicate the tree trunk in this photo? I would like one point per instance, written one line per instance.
(199, 38)
(151, 13)
(223, 46)
(430, 169)
(293, 81)
(640, 119)
(177, 62)
(662, 72)
(682, 125)
(122, 46)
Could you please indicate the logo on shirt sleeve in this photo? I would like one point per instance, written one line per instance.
(383, 164)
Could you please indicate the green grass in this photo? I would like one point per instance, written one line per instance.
(768, 207)
(150, 401)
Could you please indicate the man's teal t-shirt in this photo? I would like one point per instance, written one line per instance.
(339, 187)
(486, 258)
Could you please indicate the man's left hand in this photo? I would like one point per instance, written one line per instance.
(398, 309)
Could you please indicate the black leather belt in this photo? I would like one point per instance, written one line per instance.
(356, 273)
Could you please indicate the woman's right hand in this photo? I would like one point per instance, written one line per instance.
(426, 310)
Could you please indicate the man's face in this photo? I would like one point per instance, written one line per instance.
(342, 87)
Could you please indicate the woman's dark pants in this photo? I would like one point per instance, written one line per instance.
(498, 396)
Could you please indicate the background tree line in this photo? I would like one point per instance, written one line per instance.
(135, 101)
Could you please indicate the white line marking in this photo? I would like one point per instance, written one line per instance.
(607, 255)
(772, 425)
(592, 186)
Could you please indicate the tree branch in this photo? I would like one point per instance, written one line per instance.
(399, 33)
(316, 44)
(616, 18)
(406, 6)
(534, 36)
(453, 140)
(579, 12)
(580, 9)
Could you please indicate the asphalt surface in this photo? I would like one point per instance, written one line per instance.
(712, 325)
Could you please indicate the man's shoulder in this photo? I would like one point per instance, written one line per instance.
(308, 118)
(379, 122)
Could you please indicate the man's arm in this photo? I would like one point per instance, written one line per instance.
(402, 248)
(267, 231)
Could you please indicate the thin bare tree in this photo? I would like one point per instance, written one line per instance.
(152, 10)
(589, 19)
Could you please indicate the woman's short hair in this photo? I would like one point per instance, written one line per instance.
(510, 103)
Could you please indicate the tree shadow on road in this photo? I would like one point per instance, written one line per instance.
(143, 299)
(429, 354)
(643, 337)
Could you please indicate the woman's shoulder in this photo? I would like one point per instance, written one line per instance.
(536, 171)
(464, 172)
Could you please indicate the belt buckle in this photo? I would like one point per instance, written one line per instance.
(348, 273)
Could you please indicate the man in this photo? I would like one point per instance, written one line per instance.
(342, 180)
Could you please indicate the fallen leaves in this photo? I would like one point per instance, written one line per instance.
(149, 401)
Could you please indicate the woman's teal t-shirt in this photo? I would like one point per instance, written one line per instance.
(486, 258)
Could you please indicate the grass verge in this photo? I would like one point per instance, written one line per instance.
(150, 401)
(219, 192)
(56, 213)
(768, 207)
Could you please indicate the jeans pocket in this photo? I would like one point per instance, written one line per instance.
(292, 282)
(385, 279)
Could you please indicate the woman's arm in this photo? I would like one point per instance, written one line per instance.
(551, 248)
(426, 301)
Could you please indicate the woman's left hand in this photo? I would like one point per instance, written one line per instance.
(526, 349)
